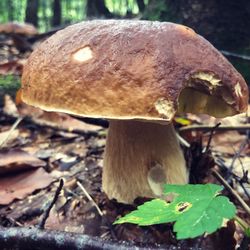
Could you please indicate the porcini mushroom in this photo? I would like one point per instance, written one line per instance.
(138, 75)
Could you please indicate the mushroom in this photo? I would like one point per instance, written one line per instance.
(25, 29)
(138, 75)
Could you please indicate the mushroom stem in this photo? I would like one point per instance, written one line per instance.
(139, 158)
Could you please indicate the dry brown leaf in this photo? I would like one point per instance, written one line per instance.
(240, 165)
(226, 142)
(12, 67)
(10, 107)
(228, 121)
(21, 185)
(46, 118)
(55, 119)
(18, 160)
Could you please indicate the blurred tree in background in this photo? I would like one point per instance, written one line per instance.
(31, 13)
(225, 23)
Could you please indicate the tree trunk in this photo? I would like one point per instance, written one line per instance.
(224, 23)
(10, 10)
(57, 13)
(31, 15)
(97, 8)
(141, 5)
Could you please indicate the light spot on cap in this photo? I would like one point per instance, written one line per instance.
(83, 54)
(237, 89)
(165, 108)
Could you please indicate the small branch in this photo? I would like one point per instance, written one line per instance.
(232, 54)
(211, 136)
(243, 127)
(3, 142)
(37, 239)
(183, 141)
(47, 211)
(231, 190)
(89, 198)
(241, 222)
(43, 125)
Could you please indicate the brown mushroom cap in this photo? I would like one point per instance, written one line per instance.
(18, 28)
(121, 69)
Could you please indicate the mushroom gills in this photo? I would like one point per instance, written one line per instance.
(195, 101)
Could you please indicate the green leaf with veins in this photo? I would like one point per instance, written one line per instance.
(196, 209)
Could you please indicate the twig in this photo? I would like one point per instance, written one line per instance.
(241, 222)
(183, 141)
(211, 136)
(89, 198)
(47, 211)
(231, 190)
(241, 180)
(232, 54)
(37, 239)
(238, 153)
(43, 125)
(243, 127)
(5, 139)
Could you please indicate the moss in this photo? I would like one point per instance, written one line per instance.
(9, 84)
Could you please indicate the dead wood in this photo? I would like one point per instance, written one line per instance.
(242, 127)
(47, 211)
(37, 239)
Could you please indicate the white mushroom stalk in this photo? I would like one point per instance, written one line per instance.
(140, 157)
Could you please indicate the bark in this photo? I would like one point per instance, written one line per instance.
(97, 8)
(141, 5)
(10, 10)
(57, 13)
(36, 239)
(31, 15)
(224, 23)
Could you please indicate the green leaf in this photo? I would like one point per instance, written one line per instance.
(247, 232)
(183, 121)
(150, 213)
(196, 209)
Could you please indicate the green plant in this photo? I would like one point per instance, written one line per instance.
(195, 209)
(9, 84)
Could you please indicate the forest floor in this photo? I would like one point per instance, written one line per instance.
(38, 148)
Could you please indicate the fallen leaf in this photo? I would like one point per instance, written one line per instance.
(226, 142)
(12, 67)
(240, 165)
(209, 120)
(18, 160)
(21, 185)
(41, 117)
(10, 107)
